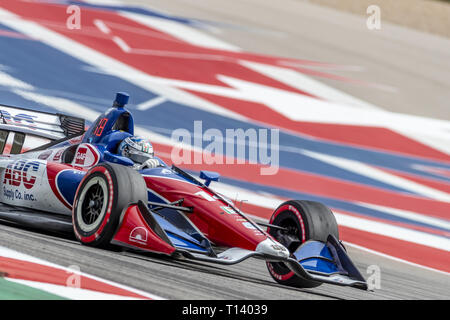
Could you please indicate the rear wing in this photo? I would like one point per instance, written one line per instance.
(23, 129)
(51, 125)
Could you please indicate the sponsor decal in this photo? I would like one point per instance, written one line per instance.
(76, 140)
(229, 210)
(86, 156)
(21, 172)
(146, 147)
(205, 195)
(57, 155)
(139, 235)
(18, 174)
(16, 194)
(80, 157)
(166, 171)
(44, 155)
(279, 276)
(277, 247)
(20, 118)
(248, 225)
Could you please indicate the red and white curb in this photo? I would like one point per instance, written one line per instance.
(63, 281)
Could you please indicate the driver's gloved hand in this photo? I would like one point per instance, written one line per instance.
(150, 163)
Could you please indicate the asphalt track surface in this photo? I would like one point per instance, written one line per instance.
(323, 39)
(181, 279)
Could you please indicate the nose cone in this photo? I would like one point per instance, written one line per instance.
(272, 248)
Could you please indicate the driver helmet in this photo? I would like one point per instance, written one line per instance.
(136, 148)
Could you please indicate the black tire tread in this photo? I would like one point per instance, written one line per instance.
(319, 223)
(129, 187)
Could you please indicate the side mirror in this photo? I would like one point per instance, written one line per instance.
(209, 176)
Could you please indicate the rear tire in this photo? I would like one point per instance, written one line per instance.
(305, 220)
(105, 191)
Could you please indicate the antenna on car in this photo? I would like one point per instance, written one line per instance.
(121, 99)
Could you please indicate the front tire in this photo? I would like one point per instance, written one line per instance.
(304, 220)
(105, 191)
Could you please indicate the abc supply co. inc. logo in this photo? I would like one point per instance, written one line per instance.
(21, 172)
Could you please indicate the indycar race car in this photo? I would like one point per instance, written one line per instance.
(58, 176)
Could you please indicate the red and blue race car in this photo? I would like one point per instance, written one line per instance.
(58, 177)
